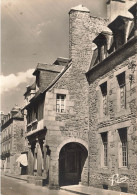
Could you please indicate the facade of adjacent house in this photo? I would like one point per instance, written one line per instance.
(81, 111)
(113, 106)
(12, 141)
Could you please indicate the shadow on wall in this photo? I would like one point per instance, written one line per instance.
(72, 162)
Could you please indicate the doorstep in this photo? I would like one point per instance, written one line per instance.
(88, 190)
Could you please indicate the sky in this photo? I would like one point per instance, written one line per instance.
(33, 31)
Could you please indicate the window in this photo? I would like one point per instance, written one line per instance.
(21, 133)
(124, 189)
(105, 186)
(8, 159)
(60, 103)
(29, 117)
(105, 148)
(103, 88)
(36, 112)
(123, 147)
(122, 90)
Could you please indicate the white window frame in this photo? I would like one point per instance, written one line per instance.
(104, 160)
(123, 160)
(104, 98)
(121, 87)
(59, 102)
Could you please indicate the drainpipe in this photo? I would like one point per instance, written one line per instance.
(88, 139)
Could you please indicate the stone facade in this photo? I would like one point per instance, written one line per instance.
(66, 140)
(120, 118)
(12, 140)
(116, 119)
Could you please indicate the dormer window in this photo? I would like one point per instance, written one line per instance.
(103, 42)
(120, 28)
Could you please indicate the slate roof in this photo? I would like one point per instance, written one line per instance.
(47, 67)
(38, 94)
(30, 87)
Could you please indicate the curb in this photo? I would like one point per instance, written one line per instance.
(76, 192)
(15, 177)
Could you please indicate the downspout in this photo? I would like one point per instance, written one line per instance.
(88, 139)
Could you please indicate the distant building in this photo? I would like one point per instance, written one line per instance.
(12, 141)
(81, 111)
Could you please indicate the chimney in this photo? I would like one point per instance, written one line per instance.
(83, 28)
(118, 7)
(80, 41)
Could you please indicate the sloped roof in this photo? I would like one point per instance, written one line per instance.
(94, 58)
(47, 67)
(15, 108)
(38, 94)
(30, 87)
(119, 22)
(18, 115)
(61, 61)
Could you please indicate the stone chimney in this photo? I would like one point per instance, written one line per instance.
(79, 36)
(83, 28)
(118, 7)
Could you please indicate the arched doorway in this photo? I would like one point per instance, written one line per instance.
(72, 160)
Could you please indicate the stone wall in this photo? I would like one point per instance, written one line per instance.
(115, 119)
(73, 125)
(19, 136)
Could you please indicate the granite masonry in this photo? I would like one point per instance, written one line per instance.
(12, 141)
(81, 111)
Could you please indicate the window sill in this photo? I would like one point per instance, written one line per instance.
(29, 125)
(35, 121)
(123, 170)
(103, 118)
(60, 112)
(123, 167)
(104, 170)
(105, 167)
(122, 112)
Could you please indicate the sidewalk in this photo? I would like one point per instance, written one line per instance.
(87, 190)
(20, 177)
(77, 189)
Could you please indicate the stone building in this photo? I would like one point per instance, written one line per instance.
(112, 81)
(12, 140)
(78, 108)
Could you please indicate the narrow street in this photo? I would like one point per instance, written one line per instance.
(10, 186)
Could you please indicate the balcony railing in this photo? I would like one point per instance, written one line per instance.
(34, 126)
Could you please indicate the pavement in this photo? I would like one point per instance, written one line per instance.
(11, 186)
(77, 189)
(88, 190)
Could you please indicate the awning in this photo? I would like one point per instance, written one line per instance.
(22, 159)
